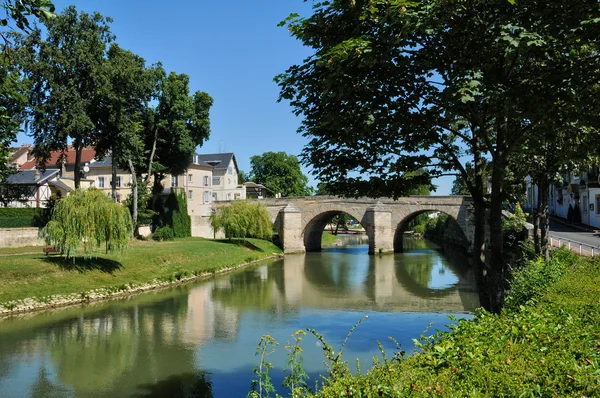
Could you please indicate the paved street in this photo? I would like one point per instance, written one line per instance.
(558, 230)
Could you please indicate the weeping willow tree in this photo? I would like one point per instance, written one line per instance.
(243, 220)
(86, 221)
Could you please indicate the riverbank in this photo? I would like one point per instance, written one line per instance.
(329, 239)
(545, 343)
(34, 281)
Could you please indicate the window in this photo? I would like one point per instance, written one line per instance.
(119, 182)
(189, 178)
(214, 196)
(229, 196)
(584, 200)
(173, 181)
(100, 182)
(190, 194)
(236, 196)
(206, 197)
(206, 181)
(229, 170)
(130, 180)
(597, 203)
(216, 180)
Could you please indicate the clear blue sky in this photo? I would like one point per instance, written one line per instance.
(230, 49)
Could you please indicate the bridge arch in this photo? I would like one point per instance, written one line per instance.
(402, 226)
(313, 229)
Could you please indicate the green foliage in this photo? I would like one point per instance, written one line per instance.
(182, 222)
(297, 377)
(513, 228)
(145, 211)
(84, 221)
(262, 385)
(65, 67)
(20, 10)
(243, 220)
(174, 123)
(13, 100)
(45, 215)
(22, 217)
(280, 173)
(546, 348)
(163, 233)
(532, 280)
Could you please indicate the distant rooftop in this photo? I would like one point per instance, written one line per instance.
(28, 177)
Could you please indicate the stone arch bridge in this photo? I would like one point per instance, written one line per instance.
(300, 221)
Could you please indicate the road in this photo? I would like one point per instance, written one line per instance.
(558, 230)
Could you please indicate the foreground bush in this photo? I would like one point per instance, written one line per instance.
(86, 221)
(547, 346)
(243, 220)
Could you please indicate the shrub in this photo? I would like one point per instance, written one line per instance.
(181, 221)
(163, 233)
(22, 217)
(243, 220)
(530, 281)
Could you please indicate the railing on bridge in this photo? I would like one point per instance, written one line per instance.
(578, 247)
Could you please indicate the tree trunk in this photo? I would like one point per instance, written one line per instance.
(544, 220)
(537, 240)
(496, 275)
(113, 182)
(151, 158)
(479, 213)
(134, 198)
(77, 172)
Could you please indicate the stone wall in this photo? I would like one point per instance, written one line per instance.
(20, 237)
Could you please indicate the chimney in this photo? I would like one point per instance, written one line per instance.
(36, 176)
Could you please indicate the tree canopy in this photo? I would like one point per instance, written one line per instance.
(394, 86)
(86, 222)
(280, 173)
(65, 67)
(174, 124)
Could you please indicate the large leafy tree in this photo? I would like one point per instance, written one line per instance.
(280, 173)
(13, 90)
(127, 90)
(66, 69)
(174, 123)
(13, 100)
(394, 86)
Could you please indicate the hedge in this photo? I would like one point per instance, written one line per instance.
(22, 217)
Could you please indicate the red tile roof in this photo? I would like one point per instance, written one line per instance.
(87, 154)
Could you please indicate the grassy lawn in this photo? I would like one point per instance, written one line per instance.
(328, 238)
(37, 275)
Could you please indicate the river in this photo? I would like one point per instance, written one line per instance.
(199, 339)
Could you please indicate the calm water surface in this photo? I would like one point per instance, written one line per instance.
(199, 340)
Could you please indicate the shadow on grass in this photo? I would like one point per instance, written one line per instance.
(241, 243)
(81, 264)
(187, 385)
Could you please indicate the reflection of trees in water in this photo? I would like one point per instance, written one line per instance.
(331, 271)
(420, 269)
(186, 385)
(93, 352)
(251, 288)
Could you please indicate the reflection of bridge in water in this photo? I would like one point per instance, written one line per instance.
(385, 286)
